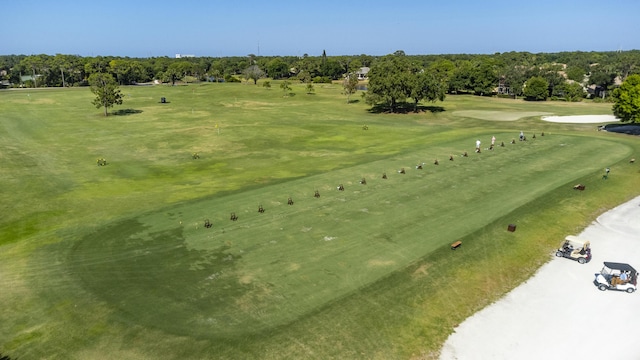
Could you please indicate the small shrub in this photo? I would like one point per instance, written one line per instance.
(322, 80)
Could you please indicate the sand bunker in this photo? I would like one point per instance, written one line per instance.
(581, 119)
(559, 313)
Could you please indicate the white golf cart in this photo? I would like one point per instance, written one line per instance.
(575, 248)
(617, 276)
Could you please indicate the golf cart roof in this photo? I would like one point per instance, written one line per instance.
(619, 266)
(576, 240)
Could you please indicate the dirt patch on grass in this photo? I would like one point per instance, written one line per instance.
(498, 115)
(421, 271)
(376, 263)
(29, 100)
(248, 104)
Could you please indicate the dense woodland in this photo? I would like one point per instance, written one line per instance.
(543, 75)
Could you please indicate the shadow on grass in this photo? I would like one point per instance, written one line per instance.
(405, 108)
(124, 112)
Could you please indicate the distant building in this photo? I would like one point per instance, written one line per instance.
(179, 56)
(362, 73)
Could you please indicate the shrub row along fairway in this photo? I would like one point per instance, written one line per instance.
(114, 261)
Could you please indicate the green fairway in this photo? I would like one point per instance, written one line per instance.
(115, 261)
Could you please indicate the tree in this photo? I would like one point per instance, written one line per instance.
(426, 86)
(254, 73)
(35, 64)
(350, 85)
(575, 73)
(286, 89)
(105, 87)
(572, 92)
(626, 100)
(460, 79)
(277, 68)
(484, 77)
(331, 69)
(310, 89)
(515, 77)
(97, 64)
(388, 81)
(304, 76)
(536, 88)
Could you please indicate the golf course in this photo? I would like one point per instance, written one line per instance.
(237, 222)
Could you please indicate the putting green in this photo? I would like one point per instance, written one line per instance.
(166, 270)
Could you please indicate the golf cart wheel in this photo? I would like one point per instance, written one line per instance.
(602, 287)
(559, 253)
(582, 260)
(630, 290)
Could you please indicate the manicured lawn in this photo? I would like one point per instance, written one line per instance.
(115, 262)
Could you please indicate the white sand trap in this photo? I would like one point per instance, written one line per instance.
(559, 313)
(581, 119)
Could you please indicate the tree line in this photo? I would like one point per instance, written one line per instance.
(73, 70)
(478, 74)
(395, 81)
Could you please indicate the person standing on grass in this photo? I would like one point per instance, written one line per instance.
(477, 146)
(493, 140)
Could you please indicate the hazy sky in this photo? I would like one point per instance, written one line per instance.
(149, 28)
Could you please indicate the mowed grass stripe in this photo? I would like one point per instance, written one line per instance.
(265, 270)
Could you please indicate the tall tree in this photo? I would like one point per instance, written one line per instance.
(254, 73)
(426, 86)
(570, 91)
(484, 77)
(277, 68)
(106, 90)
(34, 64)
(626, 100)
(350, 85)
(389, 81)
(460, 79)
(97, 64)
(536, 88)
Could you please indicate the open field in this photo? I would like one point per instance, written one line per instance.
(114, 262)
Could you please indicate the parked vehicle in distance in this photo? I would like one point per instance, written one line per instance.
(617, 276)
(575, 248)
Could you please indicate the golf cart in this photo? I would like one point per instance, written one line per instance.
(575, 248)
(617, 276)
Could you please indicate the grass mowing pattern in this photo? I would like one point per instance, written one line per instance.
(94, 262)
(166, 270)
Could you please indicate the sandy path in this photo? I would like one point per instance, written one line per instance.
(559, 313)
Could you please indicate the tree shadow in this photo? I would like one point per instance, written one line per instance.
(405, 108)
(123, 112)
(432, 109)
(354, 101)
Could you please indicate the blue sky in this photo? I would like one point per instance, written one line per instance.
(145, 28)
